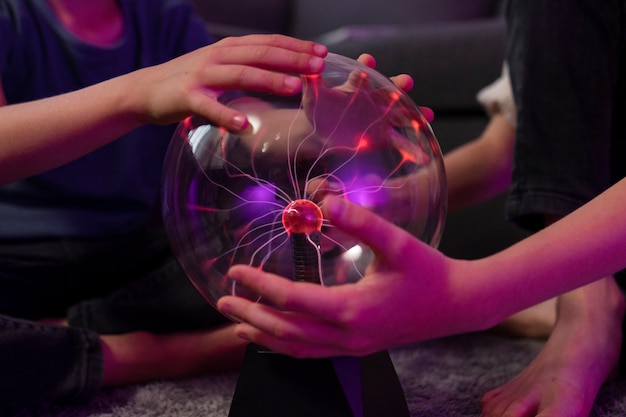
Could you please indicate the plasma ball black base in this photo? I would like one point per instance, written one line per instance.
(276, 385)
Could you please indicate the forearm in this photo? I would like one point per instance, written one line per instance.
(44, 134)
(583, 247)
(480, 168)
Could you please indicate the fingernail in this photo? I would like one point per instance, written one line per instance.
(223, 307)
(320, 49)
(293, 83)
(242, 335)
(226, 310)
(316, 64)
(240, 121)
(333, 206)
(233, 274)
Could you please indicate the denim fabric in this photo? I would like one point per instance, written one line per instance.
(567, 70)
(102, 286)
(162, 301)
(41, 363)
(43, 278)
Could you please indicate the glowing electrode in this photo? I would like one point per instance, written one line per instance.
(302, 217)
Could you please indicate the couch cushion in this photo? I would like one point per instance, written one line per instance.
(311, 18)
(450, 63)
(265, 16)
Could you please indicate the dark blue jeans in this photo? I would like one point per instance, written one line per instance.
(103, 286)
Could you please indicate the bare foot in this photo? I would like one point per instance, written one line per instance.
(535, 322)
(141, 357)
(564, 379)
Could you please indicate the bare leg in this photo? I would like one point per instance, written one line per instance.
(579, 356)
(140, 356)
(535, 322)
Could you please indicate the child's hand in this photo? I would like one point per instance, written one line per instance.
(403, 81)
(359, 107)
(401, 299)
(192, 83)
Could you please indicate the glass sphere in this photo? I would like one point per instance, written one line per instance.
(254, 198)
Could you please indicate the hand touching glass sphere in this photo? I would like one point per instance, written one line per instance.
(254, 197)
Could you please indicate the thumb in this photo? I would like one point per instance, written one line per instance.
(387, 240)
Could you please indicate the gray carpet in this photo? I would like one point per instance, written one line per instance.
(441, 378)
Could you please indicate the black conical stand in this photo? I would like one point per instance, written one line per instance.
(275, 385)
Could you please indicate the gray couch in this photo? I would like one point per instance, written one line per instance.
(452, 48)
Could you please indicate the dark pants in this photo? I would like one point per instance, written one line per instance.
(103, 287)
(566, 59)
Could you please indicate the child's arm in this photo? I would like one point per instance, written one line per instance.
(412, 292)
(481, 168)
(44, 134)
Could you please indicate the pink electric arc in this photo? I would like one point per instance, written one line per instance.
(254, 197)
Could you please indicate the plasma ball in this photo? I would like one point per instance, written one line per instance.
(302, 217)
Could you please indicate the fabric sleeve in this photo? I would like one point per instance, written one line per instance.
(185, 30)
(7, 33)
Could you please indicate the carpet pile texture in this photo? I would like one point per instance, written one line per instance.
(441, 378)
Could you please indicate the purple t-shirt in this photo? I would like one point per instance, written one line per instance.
(116, 189)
